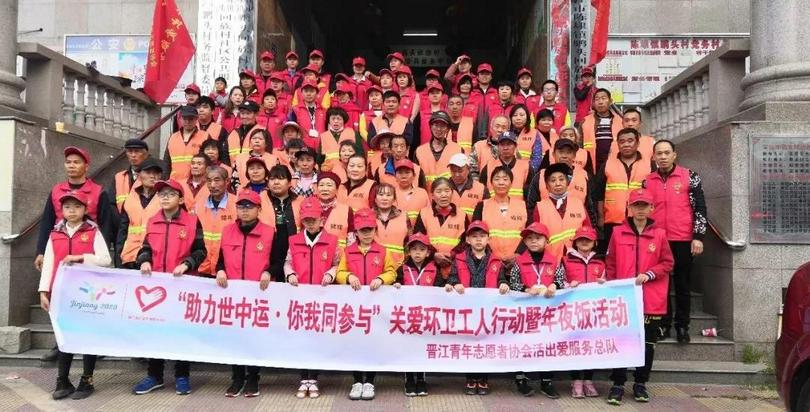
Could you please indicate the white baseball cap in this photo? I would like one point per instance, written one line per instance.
(460, 160)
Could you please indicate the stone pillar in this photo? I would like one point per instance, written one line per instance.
(10, 84)
(780, 62)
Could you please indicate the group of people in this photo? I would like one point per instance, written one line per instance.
(365, 181)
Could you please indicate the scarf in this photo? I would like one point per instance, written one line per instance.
(558, 199)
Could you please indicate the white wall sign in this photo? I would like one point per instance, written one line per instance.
(226, 32)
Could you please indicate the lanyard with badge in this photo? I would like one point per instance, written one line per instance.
(538, 273)
(418, 278)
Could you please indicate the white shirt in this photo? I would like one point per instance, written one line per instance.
(99, 257)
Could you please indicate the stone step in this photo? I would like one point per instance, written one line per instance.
(697, 300)
(700, 349)
(696, 372)
(699, 321)
(37, 315)
(42, 336)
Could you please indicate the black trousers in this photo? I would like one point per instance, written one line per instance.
(681, 280)
(369, 377)
(239, 372)
(308, 374)
(66, 359)
(652, 334)
(156, 366)
(414, 376)
(481, 377)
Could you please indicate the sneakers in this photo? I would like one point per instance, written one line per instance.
(410, 388)
(63, 389)
(640, 393)
(421, 388)
(577, 389)
(547, 388)
(471, 388)
(84, 389)
(524, 387)
(616, 394)
(182, 386)
(236, 388)
(357, 391)
(146, 385)
(368, 392)
(590, 390)
(682, 335)
(313, 388)
(252, 387)
(483, 388)
(303, 390)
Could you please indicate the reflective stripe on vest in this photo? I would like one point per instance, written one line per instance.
(562, 236)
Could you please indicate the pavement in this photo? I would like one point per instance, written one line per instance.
(29, 389)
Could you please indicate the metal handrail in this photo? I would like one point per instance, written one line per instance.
(733, 244)
(8, 239)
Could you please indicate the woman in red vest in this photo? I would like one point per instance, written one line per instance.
(229, 116)
(409, 97)
(174, 243)
(312, 259)
(74, 239)
(245, 255)
(365, 262)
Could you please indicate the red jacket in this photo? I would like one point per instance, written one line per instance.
(582, 269)
(271, 122)
(648, 252)
(584, 106)
(229, 121)
(498, 109)
(90, 189)
(493, 270)
(360, 90)
(246, 256)
(560, 113)
(484, 99)
(303, 118)
(366, 267)
(672, 211)
(353, 110)
(532, 102)
(542, 273)
(171, 242)
(63, 245)
(412, 276)
(407, 100)
(310, 264)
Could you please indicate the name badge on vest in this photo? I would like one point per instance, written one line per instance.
(376, 261)
(84, 238)
(651, 247)
(181, 234)
(677, 187)
(259, 246)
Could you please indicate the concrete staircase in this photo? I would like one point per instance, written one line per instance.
(705, 360)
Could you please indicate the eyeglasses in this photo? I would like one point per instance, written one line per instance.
(168, 194)
(245, 206)
(549, 89)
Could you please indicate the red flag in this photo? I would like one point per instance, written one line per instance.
(170, 50)
(600, 31)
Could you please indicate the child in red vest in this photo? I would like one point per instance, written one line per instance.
(418, 270)
(582, 266)
(173, 243)
(365, 262)
(312, 259)
(476, 267)
(74, 239)
(638, 249)
(537, 270)
(245, 254)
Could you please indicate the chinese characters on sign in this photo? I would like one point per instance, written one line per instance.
(430, 56)
(227, 40)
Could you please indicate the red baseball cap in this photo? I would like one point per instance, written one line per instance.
(374, 88)
(386, 71)
(342, 76)
(311, 68)
(437, 86)
(310, 209)
(79, 196)
(464, 76)
(396, 55)
(419, 238)
(585, 232)
(291, 54)
(277, 76)
(358, 61)
(478, 225)
(78, 151)
(346, 88)
(309, 83)
(254, 159)
(406, 70)
(535, 227)
(192, 87)
(317, 53)
(639, 196)
(171, 183)
(364, 219)
(523, 71)
(484, 67)
(248, 73)
(331, 176)
(432, 73)
(267, 54)
(404, 163)
(464, 57)
(586, 70)
(248, 195)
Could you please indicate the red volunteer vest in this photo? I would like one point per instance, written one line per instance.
(310, 264)
(672, 211)
(246, 256)
(580, 271)
(465, 276)
(415, 277)
(532, 274)
(365, 266)
(170, 241)
(90, 189)
(63, 245)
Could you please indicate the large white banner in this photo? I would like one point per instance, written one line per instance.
(226, 40)
(122, 313)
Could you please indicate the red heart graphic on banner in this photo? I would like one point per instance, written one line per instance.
(149, 298)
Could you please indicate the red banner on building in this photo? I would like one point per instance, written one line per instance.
(600, 31)
(170, 50)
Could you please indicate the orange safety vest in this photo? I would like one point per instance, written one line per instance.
(589, 135)
(214, 130)
(504, 228)
(397, 125)
(618, 187)
(212, 224)
(180, 153)
(330, 148)
(548, 145)
(270, 160)
(444, 237)
(433, 168)
(525, 143)
(577, 187)
(122, 188)
(483, 150)
(359, 196)
(338, 223)
(580, 159)
(237, 147)
(410, 202)
(392, 237)
(138, 217)
(561, 229)
(268, 212)
(464, 135)
(471, 197)
(520, 171)
(645, 147)
(392, 179)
